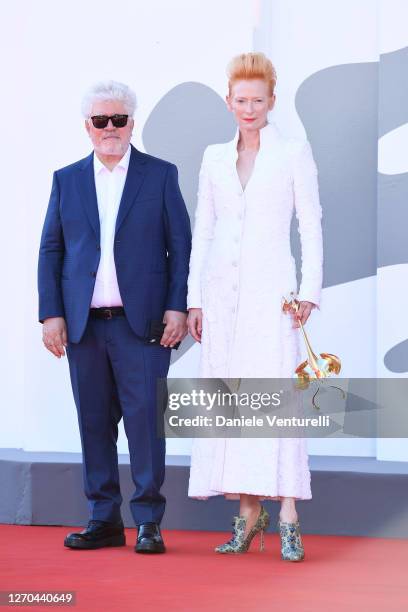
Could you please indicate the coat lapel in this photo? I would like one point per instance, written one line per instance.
(268, 149)
(87, 190)
(86, 183)
(134, 179)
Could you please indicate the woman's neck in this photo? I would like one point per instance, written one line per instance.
(249, 140)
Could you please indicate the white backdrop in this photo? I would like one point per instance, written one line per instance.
(60, 49)
(392, 328)
(54, 51)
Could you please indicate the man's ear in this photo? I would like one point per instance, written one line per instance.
(87, 126)
(131, 125)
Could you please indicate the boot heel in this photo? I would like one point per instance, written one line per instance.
(240, 543)
(262, 542)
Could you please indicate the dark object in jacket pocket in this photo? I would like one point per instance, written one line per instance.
(156, 330)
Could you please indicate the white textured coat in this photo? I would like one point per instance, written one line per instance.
(241, 265)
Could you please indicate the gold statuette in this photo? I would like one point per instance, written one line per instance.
(314, 367)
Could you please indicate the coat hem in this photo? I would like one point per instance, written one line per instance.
(235, 495)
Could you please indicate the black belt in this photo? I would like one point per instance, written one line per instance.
(107, 313)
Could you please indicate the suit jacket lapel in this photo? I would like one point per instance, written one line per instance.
(87, 190)
(134, 179)
(86, 183)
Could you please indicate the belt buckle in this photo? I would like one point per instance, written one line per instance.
(108, 313)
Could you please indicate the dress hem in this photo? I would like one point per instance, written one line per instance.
(235, 496)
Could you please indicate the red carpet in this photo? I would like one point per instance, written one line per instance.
(338, 574)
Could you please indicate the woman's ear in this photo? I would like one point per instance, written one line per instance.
(272, 102)
(228, 102)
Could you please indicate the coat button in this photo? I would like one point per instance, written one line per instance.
(98, 248)
(93, 274)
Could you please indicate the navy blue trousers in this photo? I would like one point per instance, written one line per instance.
(113, 375)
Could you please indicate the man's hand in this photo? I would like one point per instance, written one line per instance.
(195, 323)
(305, 308)
(176, 327)
(55, 335)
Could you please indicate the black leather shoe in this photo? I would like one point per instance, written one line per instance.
(149, 539)
(97, 535)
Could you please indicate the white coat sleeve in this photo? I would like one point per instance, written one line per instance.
(308, 213)
(203, 234)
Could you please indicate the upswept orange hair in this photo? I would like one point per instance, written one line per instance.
(249, 66)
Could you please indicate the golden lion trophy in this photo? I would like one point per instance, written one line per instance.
(314, 367)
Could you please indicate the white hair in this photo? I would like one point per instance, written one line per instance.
(109, 90)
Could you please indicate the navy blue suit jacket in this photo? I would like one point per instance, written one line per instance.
(151, 249)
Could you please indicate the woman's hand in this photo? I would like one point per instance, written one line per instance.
(195, 323)
(305, 308)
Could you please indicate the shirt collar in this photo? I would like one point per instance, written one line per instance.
(123, 163)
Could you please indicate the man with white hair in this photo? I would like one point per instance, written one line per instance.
(112, 280)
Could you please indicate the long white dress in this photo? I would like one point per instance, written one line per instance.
(241, 265)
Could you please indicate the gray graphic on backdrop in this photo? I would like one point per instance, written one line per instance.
(185, 121)
(338, 108)
(393, 189)
(396, 359)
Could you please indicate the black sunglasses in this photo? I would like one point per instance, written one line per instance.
(101, 121)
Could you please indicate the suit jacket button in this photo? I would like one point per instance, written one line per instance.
(98, 248)
(93, 274)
